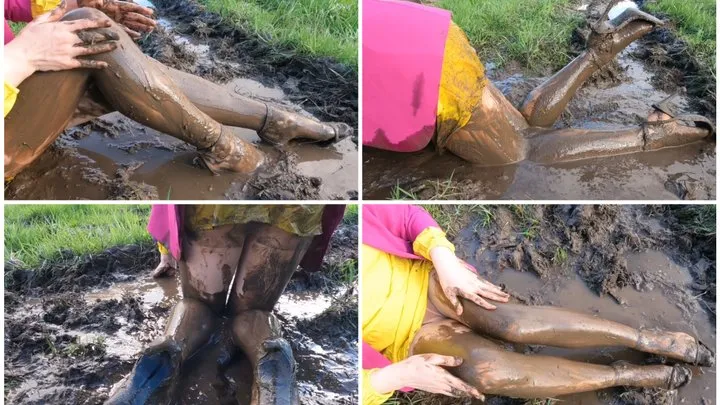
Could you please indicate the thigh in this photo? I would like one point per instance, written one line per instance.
(270, 257)
(209, 261)
(44, 107)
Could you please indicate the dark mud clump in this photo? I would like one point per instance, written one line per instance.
(72, 273)
(282, 181)
(677, 70)
(325, 88)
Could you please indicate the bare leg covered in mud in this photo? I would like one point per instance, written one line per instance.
(271, 257)
(152, 95)
(492, 369)
(210, 259)
(498, 134)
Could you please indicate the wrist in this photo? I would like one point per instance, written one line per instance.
(386, 380)
(18, 64)
(443, 258)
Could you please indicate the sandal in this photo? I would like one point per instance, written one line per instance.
(655, 132)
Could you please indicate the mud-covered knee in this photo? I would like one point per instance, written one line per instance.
(490, 381)
(83, 13)
(512, 332)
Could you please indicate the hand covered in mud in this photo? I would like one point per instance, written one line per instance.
(166, 268)
(134, 18)
(423, 372)
(48, 44)
(459, 280)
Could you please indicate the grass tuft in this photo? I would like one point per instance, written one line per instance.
(35, 233)
(314, 27)
(536, 34)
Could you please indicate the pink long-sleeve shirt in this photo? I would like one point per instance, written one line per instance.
(16, 11)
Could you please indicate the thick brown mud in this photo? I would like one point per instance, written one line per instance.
(114, 157)
(637, 265)
(619, 96)
(74, 328)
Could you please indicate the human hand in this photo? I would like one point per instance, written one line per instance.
(134, 18)
(166, 268)
(424, 372)
(458, 280)
(48, 44)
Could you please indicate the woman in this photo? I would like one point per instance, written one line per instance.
(67, 68)
(427, 312)
(234, 261)
(423, 82)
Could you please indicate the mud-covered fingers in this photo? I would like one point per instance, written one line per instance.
(87, 24)
(490, 287)
(131, 7)
(458, 388)
(138, 22)
(94, 49)
(90, 37)
(132, 33)
(492, 294)
(452, 295)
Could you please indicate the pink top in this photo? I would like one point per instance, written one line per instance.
(403, 48)
(16, 11)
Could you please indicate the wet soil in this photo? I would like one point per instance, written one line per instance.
(114, 157)
(74, 328)
(638, 265)
(616, 97)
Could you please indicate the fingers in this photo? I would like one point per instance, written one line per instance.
(133, 34)
(91, 64)
(130, 7)
(87, 24)
(452, 296)
(95, 49)
(53, 15)
(492, 288)
(478, 301)
(138, 22)
(446, 361)
(90, 37)
(459, 388)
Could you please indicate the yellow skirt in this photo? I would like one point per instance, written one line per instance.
(461, 85)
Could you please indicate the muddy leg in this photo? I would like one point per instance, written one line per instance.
(563, 145)
(229, 108)
(559, 327)
(138, 89)
(495, 371)
(206, 269)
(270, 257)
(544, 105)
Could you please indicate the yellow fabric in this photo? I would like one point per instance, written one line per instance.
(461, 85)
(162, 249)
(394, 300)
(301, 220)
(370, 396)
(11, 93)
(39, 7)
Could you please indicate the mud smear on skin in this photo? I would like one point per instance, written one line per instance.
(629, 264)
(75, 327)
(114, 157)
(618, 96)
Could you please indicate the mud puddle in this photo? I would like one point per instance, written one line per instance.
(618, 98)
(67, 343)
(116, 158)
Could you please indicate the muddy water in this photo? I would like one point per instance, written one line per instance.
(687, 172)
(122, 159)
(661, 304)
(325, 374)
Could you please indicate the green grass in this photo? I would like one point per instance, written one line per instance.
(453, 217)
(351, 214)
(34, 233)
(16, 26)
(695, 23)
(536, 33)
(429, 190)
(313, 27)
